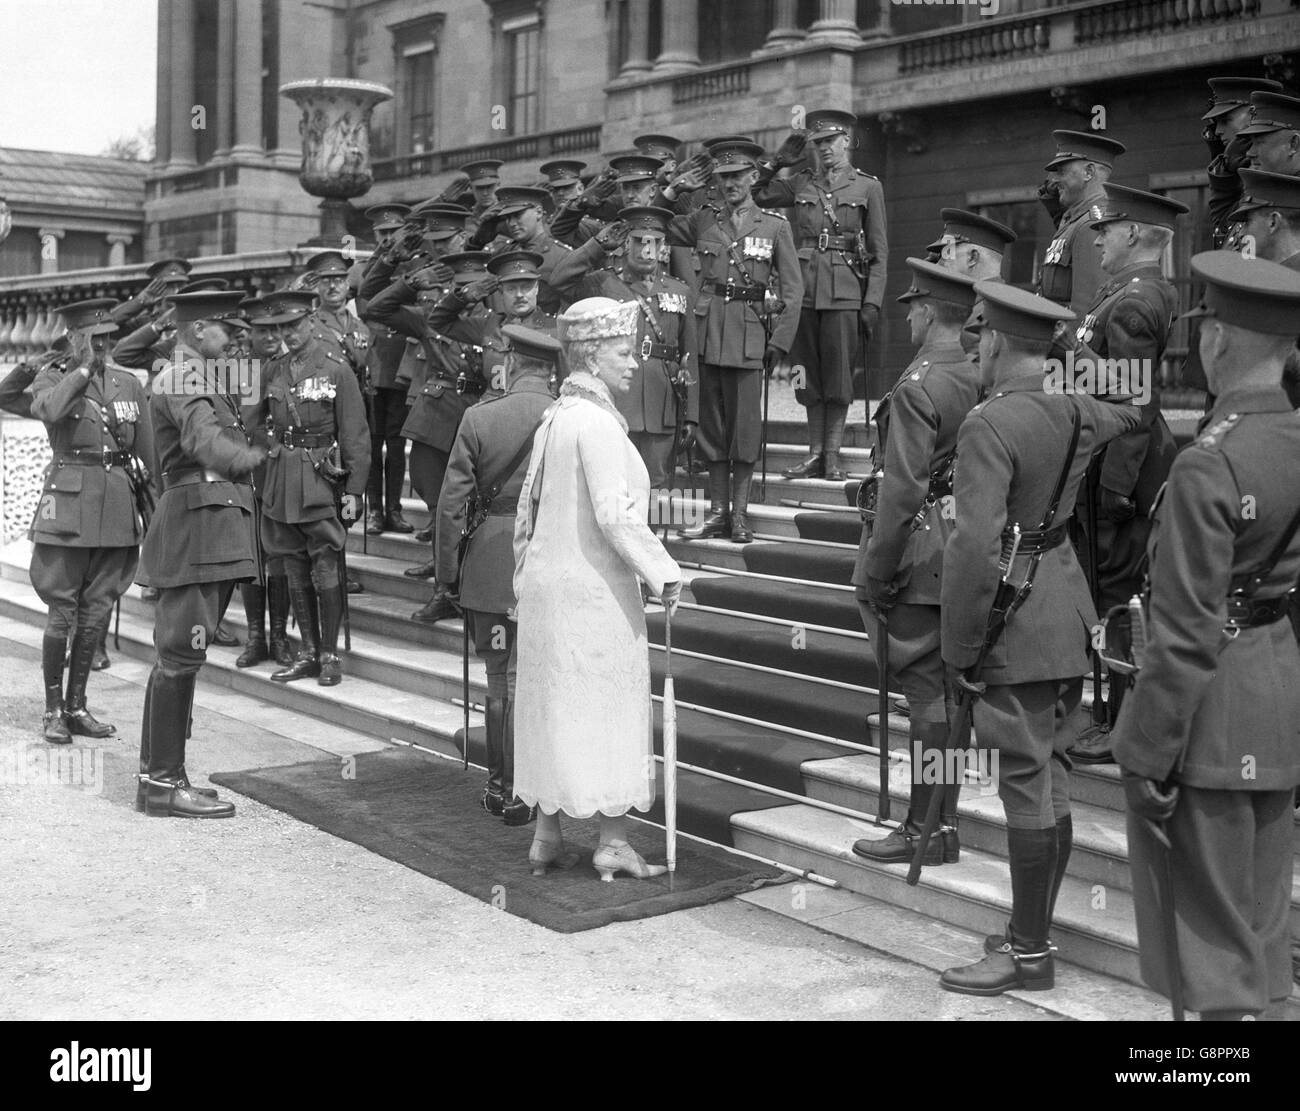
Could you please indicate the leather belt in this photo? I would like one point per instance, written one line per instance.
(827, 242)
(102, 458)
(464, 384)
(295, 437)
(1037, 540)
(732, 292)
(503, 507)
(187, 476)
(1247, 613)
(668, 352)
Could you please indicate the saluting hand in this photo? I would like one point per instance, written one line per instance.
(611, 236)
(790, 152)
(437, 275)
(482, 289)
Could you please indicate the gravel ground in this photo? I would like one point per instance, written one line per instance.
(111, 915)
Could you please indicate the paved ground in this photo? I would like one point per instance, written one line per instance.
(112, 915)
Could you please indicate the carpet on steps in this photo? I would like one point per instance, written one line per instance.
(801, 561)
(791, 602)
(838, 528)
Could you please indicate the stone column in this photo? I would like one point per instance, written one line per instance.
(50, 249)
(225, 106)
(882, 28)
(117, 245)
(248, 77)
(163, 95)
(681, 37)
(638, 38)
(785, 31)
(183, 146)
(835, 24)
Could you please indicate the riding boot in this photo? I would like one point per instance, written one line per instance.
(302, 598)
(53, 724)
(900, 846)
(255, 651)
(517, 812)
(1064, 843)
(835, 416)
(277, 605)
(101, 662)
(81, 722)
(741, 476)
(1023, 961)
(492, 799)
(812, 466)
(438, 608)
(168, 791)
(717, 525)
(394, 479)
(330, 599)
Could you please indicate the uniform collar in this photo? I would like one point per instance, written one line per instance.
(1135, 270)
(840, 177)
(1023, 383)
(940, 351)
(1252, 399)
(1083, 204)
(530, 383)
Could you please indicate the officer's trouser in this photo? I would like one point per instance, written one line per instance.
(80, 585)
(654, 449)
(428, 466)
(185, 619)
(388, 412)
(494, 638)
(731, 414)
(915, 664)
(295, 549)
(826, 347)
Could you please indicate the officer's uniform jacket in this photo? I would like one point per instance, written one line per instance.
(1221, 711)
(85, 504)
(351, 337)
(1131, 319)
(917, 424)
(1224, 197)
(143, 349)
(730, 332)
(1071, 273)
(387, 347)
(552, 252)
(14, 397)
(832, 212)
(329, 404)
(1010, 453)
(650, 405)
(489, 437)
(575, 230)
(205, 526)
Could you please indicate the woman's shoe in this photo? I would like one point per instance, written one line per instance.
(619, 856)
(549, 854)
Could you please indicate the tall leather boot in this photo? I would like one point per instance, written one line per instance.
(101, 662)
(1023, 961)
(835, 417)
(717, 525)
(277, 608)
(812, 466)
(81, 722)
(1064, 844)
(302, 598)
(742, 475)
(494, 719)
(394, 480)
(517, 812)
(330, 600)
(53, 725)
(255, 650)
(900, 846)
(168, 793)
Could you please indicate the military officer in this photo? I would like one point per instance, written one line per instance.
(1020, 464)
(900, 556)
(838, 215)
(520, 215)
(484, 179)
(1269, 214)
(313, 413)
(87, 529)
(563, 179)
(1228, 116)
(971, 244)
(1207, 737)
(202, 540)
(1274, 133)
(1128, 325)
(14, 395)
(489, 460)
(666, 387)
(1082, 164)
(166, 276)
(744, 253)
(327, 274)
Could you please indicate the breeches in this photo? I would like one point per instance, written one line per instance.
(80, 585)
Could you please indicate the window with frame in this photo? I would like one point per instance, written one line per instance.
(415, 46)
(522, 42)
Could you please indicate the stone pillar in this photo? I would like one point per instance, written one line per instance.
(50, 249)
(248, 77)
(163, 95)
(835, 24)
(681, 37)
(785, 31)
(183, 146)
(638, 38)
(882, 28)
(117, 245)
(225, 107)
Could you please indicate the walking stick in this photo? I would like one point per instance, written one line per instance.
(767, 375)
(464, 684)
(365, 518)
(1092, 483)
(882, 730)
(1164, 884)
(670, 747)
(117, 624)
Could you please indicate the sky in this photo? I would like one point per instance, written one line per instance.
(76, 74)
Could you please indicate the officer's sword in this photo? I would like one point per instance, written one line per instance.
(882, 730)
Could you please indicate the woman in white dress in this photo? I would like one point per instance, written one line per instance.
(583, 720)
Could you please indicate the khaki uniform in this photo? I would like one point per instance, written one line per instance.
(1071, 273)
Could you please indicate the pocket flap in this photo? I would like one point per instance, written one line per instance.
(67, 480)
(209, 493)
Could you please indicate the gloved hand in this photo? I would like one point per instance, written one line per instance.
(670, 596)
(406, 244)
(349, 509)
(688, 435)
(457, 191)
(1049, 193)
(870, 317)
(880, 594)
(1212, 140)
(489, 227)
(602, 187)
(481, 290)
(437, 275)
(152, 293)
(1147, 798)
(1114, 506)
(1236, 154)
(612, 235)
(771, 356)
(791, 151)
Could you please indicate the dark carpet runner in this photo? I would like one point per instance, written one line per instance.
(839, 528)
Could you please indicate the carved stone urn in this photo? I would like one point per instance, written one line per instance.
(335, 130)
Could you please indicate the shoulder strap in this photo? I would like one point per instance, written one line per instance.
(1065, 469)
(494, 487)
(1248, 582)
